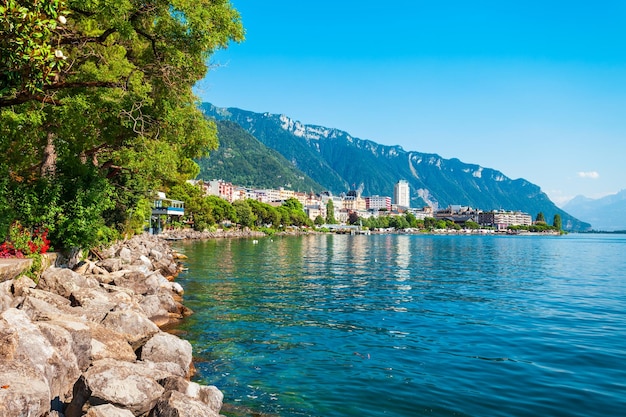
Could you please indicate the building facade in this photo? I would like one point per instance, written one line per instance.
(377, 202)
(401, 194)
(502, 219)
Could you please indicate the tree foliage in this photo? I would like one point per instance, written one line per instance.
(557, 223)
(330, 212)
(99, 93)
(540, 218)
(245, 215)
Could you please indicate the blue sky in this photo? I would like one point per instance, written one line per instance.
(534, 89)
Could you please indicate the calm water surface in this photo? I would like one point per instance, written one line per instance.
(394, 325)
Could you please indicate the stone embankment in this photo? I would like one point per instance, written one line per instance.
(88, 342)
(176, 234)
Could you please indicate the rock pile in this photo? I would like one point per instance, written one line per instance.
(219, 233)
(87, 342)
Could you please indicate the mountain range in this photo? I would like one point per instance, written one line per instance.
(244, 160)
(336, 161)
(607, 213)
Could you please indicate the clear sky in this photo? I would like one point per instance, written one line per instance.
(535, 89)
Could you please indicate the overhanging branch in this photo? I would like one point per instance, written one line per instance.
(25, 97)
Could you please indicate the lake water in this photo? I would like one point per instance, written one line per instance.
(399, 325)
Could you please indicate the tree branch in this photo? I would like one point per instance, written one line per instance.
(25, 97)
(86, 39)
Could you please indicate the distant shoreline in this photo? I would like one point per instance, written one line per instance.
(190, 234)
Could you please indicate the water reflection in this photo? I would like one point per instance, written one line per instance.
(339, 325)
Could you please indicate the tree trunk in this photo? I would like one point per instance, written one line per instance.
(49, 164)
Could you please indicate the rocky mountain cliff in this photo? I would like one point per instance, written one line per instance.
(339, 162)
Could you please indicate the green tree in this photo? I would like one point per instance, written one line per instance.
(557, 222)
(103, 88)
(441, 224)
(265, 213)
(330, 212)
(430, 223)
(293, 204)
(319, 220)
(411, 219)
(540, 218)
(221, 209)
(245, 216)
(197, 207)
(398, 222)
(471, 225)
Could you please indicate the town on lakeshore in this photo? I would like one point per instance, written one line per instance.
(356, 213)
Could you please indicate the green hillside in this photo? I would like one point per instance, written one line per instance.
(243, 160)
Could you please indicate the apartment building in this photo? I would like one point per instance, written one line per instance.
(377, 202)
(501, 219)
(401, 194)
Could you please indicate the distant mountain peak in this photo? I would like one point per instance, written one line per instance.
(606, 213)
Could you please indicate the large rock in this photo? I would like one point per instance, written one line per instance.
(56, 300)
(166, 267)
(137, 282)
(24, 390)
(64, 282)
(176, 404)
(130, 386)
(41, 305)
(108, 410)
(208, 395)
(22, 283)
(161, 308)
(13, 268)
(63, 343)
(31, 346)
(144, 260)
(6, 295)
(125, 255)
(79, 342)
(135, 327)
(164, 347)
(109, 344)
(96, 303)
(156, 254)
(110, 264)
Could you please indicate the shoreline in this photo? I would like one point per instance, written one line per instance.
(190, 234)
(92, 340)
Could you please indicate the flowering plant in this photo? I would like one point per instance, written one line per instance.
(23, 243)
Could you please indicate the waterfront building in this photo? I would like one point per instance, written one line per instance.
(219, 188)
(164, 211)
(337, 201)
(401, 194)
(286, 194)
(377, 202)
(315, 210)
(422, 213)
(303, 198)
(458, 214)
(501, 219)
(353, 201)
(270, 195)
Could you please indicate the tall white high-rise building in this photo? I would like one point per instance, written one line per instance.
(401, 195)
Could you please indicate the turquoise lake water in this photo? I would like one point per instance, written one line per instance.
(399, 325)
